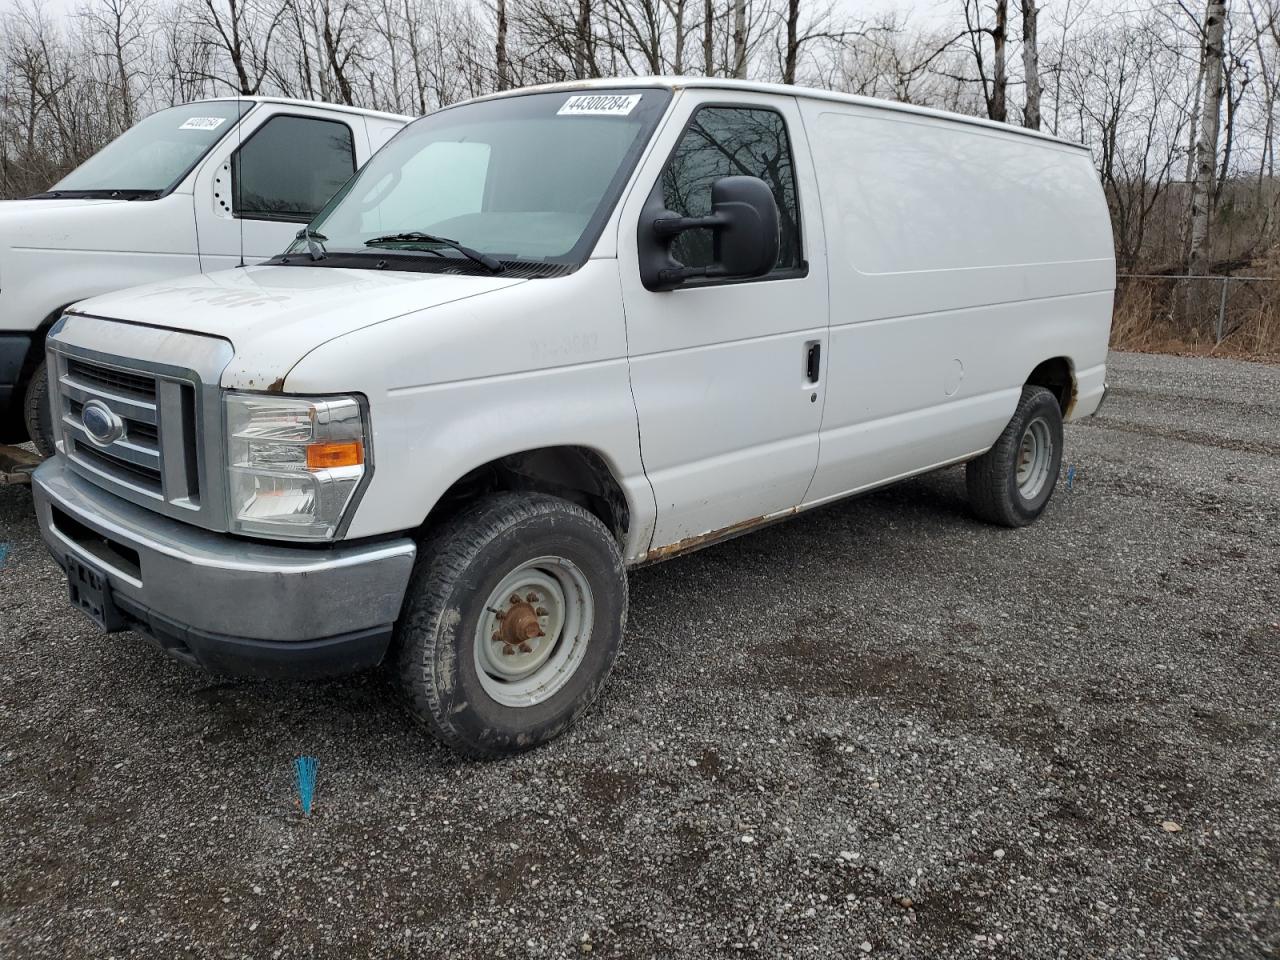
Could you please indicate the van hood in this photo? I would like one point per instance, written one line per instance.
(87, 223)
(275, 315)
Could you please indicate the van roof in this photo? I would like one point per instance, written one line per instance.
(786, 90)
(293, 102)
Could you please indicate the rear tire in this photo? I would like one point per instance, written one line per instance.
(513, 620)
(37, 411)
(1012, 483)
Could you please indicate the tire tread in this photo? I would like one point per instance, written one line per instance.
(987, 476)
(447, 554)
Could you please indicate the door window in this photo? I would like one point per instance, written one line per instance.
(725, 142)
(290, 168)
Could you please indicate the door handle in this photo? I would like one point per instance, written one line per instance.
(813, 360)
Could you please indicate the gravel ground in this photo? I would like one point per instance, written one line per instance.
(880, 729)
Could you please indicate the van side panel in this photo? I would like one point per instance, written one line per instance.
(961, 257)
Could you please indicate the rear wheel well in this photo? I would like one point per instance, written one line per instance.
(1056, 376)
(576, 474)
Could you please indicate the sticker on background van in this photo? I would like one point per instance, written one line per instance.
(599, 104)
(202, 123)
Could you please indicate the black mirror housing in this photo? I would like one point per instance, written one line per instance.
(744, 218)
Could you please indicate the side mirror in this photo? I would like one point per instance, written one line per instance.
(744, 221)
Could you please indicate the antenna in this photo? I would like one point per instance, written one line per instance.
(238, 208)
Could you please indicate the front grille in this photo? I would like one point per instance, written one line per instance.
(155, 452)
(156, 407)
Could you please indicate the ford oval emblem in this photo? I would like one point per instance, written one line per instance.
(103, 424)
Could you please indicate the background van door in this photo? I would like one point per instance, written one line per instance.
(728, 411)
(272, 178)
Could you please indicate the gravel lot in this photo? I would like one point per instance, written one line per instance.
(880, 729)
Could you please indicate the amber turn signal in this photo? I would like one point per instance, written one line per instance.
(325, 456)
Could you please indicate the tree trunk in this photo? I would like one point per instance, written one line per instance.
(740, 39)
(999, 66)
(793, 43)
(500, 51)
(708, 39)
(1207, 145)
(582, 40)
(1030, 65)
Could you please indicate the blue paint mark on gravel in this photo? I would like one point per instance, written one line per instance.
(4, 554)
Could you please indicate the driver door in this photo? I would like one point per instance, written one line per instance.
(262, 185)
(727, 374)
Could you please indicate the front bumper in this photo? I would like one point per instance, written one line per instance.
(230, 605)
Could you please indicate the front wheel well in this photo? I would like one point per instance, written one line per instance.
(35, 352)
(1056, 376)
(577, 474)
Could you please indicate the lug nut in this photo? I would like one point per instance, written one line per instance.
(508, 649)
(525, 648)
(541, 611)
(531, 597)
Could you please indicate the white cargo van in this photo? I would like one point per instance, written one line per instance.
(547, 335)
(190, 189)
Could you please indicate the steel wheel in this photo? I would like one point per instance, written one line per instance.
(1035, 458)
(534, 631)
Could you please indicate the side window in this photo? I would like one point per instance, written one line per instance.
(731, 141)
(290, 168)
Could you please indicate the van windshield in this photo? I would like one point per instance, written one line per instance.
(152, 156)
(528, 178)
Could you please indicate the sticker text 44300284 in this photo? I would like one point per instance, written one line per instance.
(599, 104)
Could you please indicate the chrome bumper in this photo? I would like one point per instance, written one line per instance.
(229, 604)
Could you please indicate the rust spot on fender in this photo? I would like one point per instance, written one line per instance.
(1071, 401)
(277, 386)
(690, 544)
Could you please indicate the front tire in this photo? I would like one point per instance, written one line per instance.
(37, 412)
(1011, 483)
(512, 623)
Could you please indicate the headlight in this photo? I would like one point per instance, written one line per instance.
(295, 463)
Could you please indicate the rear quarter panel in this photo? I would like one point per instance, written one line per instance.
(961, 257)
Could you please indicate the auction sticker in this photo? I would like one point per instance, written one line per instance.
(599, 104)
(202, 123)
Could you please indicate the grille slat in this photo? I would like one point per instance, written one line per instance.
(113, 380)
(130, 473)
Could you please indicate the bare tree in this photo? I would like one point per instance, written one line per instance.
(739, 39)
(708, 39)
(1030, 65)
(501, 59)
(242, 30)
(1207, 144)
(994, 84)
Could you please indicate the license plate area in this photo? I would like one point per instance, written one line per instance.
(90, 590)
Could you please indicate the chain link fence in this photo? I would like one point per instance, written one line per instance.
(1218, 305)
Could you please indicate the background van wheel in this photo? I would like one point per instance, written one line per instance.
(37, 411)
(1012, 482)
(513, 620)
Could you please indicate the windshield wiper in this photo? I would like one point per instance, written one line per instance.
(416, 236)
(104, 193)
(315, 242)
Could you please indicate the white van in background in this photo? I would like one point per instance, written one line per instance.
(553, 333)
(186, 190)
